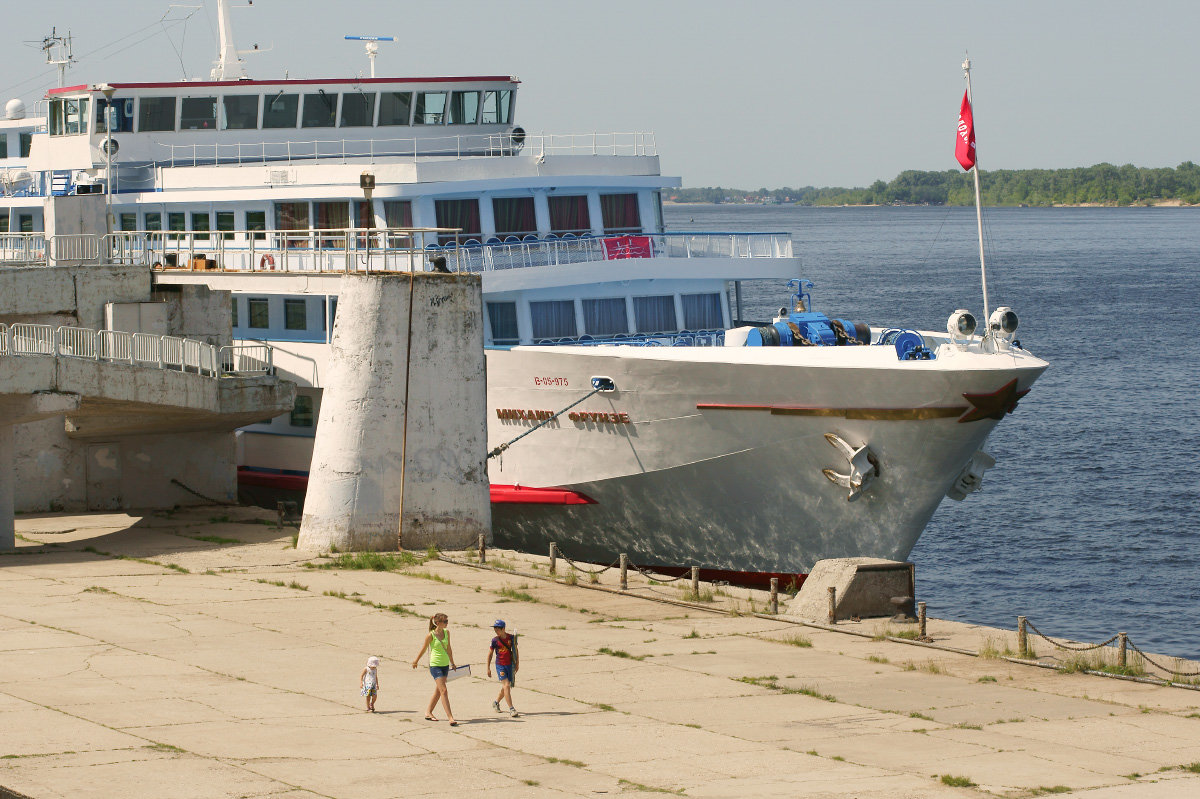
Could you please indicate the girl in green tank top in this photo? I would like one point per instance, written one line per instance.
(441, 660)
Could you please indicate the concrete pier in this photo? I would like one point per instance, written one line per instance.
(155, 657)
(401, 437)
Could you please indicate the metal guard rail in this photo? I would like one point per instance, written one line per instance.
(137, 349)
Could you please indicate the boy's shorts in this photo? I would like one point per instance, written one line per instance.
(504, 672)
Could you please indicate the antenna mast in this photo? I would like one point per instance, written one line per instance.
(966, 65)
(58, 53)
(372, 45)
(229, 64)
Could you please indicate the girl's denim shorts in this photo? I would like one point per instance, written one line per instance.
(438, 671)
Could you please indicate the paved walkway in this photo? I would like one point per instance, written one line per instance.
(195, 655)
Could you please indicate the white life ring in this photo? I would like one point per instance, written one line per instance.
(267, 261)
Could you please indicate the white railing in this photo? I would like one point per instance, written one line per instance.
(75, 247)
(23, 248)
(410, 249)
(371, 150)
(138, 349)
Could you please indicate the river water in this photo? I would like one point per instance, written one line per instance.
(1087, 525)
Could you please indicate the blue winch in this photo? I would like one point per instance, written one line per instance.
(807, 328)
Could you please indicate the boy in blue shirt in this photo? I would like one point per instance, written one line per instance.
(504, 648)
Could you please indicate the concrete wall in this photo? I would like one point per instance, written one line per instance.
(373, 438)
(72, 296)
(197, 312)
(71, 215)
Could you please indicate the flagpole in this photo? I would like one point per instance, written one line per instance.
(966, 65)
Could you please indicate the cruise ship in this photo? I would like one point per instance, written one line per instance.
(632, 408)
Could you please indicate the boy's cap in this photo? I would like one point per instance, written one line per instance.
(499, 623)
(372, 662)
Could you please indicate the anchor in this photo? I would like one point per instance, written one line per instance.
(970, 479)
(864, 467)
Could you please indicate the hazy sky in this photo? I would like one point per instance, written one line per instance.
(741, 94)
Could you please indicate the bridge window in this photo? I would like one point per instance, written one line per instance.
(655, 314)
(122, 116)
(198, 113)
(260, 315)
(358, 110)
(497, 107)
(462, 214)
(514, 216)
(502, 316)
(431, 108)
(605, 317)
(302, 412)
(280, 111)
(26, 144)
(156, 114)
(320, 110)
(620, 213)
(295, 314)
(241, 111)
(395, 108)
(569, 214)
(464, 108)
(68, 117)
(553, 319)
(702, 311)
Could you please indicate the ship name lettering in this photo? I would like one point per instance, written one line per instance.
(599, 417)
(550, 381)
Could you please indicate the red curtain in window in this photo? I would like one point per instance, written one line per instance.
(569, 215)
(514, 216)
(462, 214)
(620, 212)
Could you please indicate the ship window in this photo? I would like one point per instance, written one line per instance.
(702, 311)
(320, 110)
(241, 111)
(198, 113)
(569, 214)
(605, 317)
(122, 116)
(462, 214)
(655, 314)
(464, 108)
(292, 216)
(332, 311)
(503, 319)
(153, 220)
(295, 314)
(176, 222)
(225, 224)
(156, 113)
(497, 108)
(514, 216)
(620, 213)
(431, 108)
(26, 144)
(553, 319)
(395, 108)
(398, 213)
(256, 221)
(260, 315)
(302, 412)
(656, 196)
(200, 226)
(280, 111)
(234, 304)
(24, 223)
(3, 145)
(3, 222)
(57, 125)
(129, 222)
(358, 110)
(332, 216)
(75, 114)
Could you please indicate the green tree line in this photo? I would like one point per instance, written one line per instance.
(1103, 184)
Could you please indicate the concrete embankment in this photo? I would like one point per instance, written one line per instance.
(198, 654)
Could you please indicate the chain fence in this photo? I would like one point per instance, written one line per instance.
(1123, 641)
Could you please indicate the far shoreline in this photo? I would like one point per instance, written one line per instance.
(1154, 204)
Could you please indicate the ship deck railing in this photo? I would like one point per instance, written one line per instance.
(376, 249)
(637, 143)
(137, 349)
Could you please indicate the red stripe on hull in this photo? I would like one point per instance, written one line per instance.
(500, 494)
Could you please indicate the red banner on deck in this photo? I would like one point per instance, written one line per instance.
(964, 143)
(628, 247)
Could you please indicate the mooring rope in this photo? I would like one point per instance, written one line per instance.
(500, 449)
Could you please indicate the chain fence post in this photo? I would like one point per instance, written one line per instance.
(553, 558)
(696, 583)
(921, 620)
(1022, 638)
(774, 596)
(832, 604)
(1122, 649)
(624, 571)
(482, 549)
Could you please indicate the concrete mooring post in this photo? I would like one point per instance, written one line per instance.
(695, 582)
(1022, 638)
(921, 621)
(774, 596)
(1122, 649)
(624, 571)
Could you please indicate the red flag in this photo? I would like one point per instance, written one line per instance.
(964, 144)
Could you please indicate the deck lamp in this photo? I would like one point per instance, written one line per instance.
(108, 90)
(1003, 322)
(961, 323)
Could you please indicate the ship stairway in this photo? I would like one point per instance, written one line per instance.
(60, 183)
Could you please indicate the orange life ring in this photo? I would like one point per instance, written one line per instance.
(266, 262)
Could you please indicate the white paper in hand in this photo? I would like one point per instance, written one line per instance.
(461, 671)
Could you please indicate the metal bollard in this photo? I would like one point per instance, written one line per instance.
(1022, 638)
(482, 549)
(1122, 648)
(921, 620)
(832, 605)
(774, 596)
(553, 558)
(696, 582)
(624, 571)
